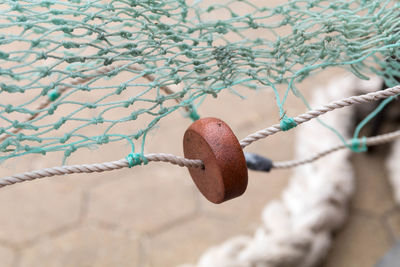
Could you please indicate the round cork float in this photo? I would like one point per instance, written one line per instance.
(224, 175)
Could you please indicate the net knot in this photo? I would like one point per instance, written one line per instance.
(194, 115)
(359, 145)
(53, 95)
(287, 123)
(135, 159)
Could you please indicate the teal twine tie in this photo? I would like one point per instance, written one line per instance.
(359, 145)
(135, 159)
(287, 123)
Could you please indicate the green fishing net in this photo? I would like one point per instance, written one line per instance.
(115, 68)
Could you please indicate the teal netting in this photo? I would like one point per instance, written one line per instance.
(69, 69)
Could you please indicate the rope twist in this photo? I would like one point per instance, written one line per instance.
(192, 163)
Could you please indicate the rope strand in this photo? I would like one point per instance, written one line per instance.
(371, 141)
(96, 167)
(193, 163)
(312, 114)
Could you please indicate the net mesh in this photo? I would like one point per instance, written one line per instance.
(69, 69)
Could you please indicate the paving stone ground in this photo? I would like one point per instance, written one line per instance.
(373, 225)
(84, 245)
(7, 256)
(392, 258)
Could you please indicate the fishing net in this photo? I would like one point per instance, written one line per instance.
(69, 69)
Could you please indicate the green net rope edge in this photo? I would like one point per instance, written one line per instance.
(381, 48)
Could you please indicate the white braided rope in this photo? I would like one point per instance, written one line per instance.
(97, 167)
(370, 141)
(190, 163)
(296, 230)
(312, 114)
